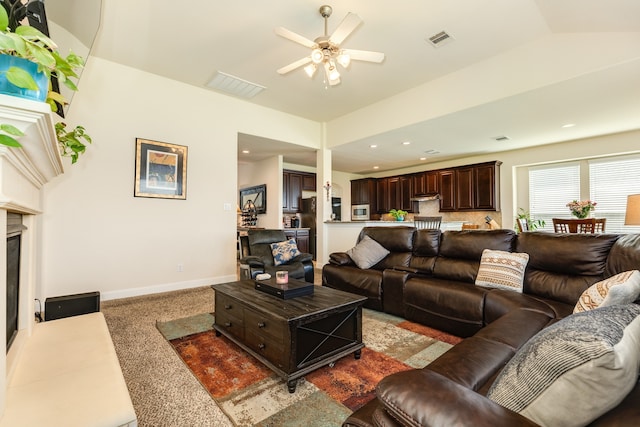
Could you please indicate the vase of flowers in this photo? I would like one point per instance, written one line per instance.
(581, 209)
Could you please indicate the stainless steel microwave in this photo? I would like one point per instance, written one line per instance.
(360, 213)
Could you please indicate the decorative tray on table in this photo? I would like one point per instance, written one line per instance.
(293, 289)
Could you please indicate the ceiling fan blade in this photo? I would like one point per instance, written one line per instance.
(294, 37)
(299, 63)
(364, 55)
(346, 27)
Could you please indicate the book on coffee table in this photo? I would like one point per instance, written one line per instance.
(293, 289)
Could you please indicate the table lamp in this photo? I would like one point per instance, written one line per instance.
(632, 217)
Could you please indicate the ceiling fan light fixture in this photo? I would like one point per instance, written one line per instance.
(344, 59)
(331, 73)
(317, 56)
(310, 69)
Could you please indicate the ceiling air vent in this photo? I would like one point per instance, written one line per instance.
(234, 85)
(440, 39)
(501, 138)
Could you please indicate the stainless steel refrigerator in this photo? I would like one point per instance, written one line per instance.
(308, 220)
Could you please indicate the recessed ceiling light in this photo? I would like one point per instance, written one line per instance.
(376, 167)
(423, 158)
(569, 125)
(245, 151)
(406, 143)
(373, 146)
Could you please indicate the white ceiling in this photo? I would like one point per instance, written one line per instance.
(189, 42)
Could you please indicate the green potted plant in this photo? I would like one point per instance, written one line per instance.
(28, 43)
(531, 224)
(398, 214)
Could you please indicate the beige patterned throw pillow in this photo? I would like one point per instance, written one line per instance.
(503, 270)
(622, 288)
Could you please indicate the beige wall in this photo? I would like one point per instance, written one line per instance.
(97, 236)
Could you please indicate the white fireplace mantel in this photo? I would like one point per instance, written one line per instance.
(23, 173)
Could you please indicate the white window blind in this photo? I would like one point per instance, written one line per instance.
(610, 181)
(551, 187)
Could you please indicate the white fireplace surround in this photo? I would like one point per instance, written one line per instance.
(23, 173)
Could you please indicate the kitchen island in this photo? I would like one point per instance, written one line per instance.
(342, 235)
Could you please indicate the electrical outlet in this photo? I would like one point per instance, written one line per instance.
(226, 206)
(180, 268)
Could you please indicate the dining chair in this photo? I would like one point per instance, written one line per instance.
(586, 225)
(427, 222)
(599, 226)
(523, 224)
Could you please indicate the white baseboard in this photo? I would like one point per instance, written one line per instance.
(165, 287)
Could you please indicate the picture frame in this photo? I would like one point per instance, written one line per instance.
(257, 195)
(161, 170)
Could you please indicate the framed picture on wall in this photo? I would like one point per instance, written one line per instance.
(256, 196)
(161, 170)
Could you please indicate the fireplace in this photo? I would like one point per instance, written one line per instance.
(23, 174)
(14, 239)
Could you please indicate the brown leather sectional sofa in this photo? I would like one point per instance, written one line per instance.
(429, 277)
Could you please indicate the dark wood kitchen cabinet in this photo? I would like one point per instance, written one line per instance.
(382, 195)
(363, 192)
(394, 192)
(301, 236)
(464, 188)
(446, 183)
(486, 185)
(293, 183)
(472, 187)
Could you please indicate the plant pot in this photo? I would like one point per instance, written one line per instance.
(8, 88)
(400, 218)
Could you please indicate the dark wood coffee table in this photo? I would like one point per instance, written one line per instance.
(294, 336)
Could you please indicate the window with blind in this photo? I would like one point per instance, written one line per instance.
(610, 181)
(551, 187)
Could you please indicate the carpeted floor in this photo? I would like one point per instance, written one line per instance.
(163, 391)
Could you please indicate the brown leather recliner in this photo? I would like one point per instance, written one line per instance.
(257, 257)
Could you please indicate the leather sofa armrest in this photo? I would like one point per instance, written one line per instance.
(426, 398)
(303, 257)
(252, 261)
(340, 258)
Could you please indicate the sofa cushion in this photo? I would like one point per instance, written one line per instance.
(367, 253)
(350, 278)
(450, 306)
(562, 266)
(502, 270)
(284, 252)
(623, 288)
(461, 251)
(575, 370)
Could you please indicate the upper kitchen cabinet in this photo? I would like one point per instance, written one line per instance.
(447, 187)
(465, 191)
(424, 183)
(472, 187)
(394, 192)
(363, 192)
(293, 183)
(486, 183)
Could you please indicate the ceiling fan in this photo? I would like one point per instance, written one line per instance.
(326, 51)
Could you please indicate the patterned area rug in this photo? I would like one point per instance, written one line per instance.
(252, 395)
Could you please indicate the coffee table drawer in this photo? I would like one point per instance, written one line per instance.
(229, 315)
(271, 350)
(225, 304)
(230, 323)
(260, 324)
